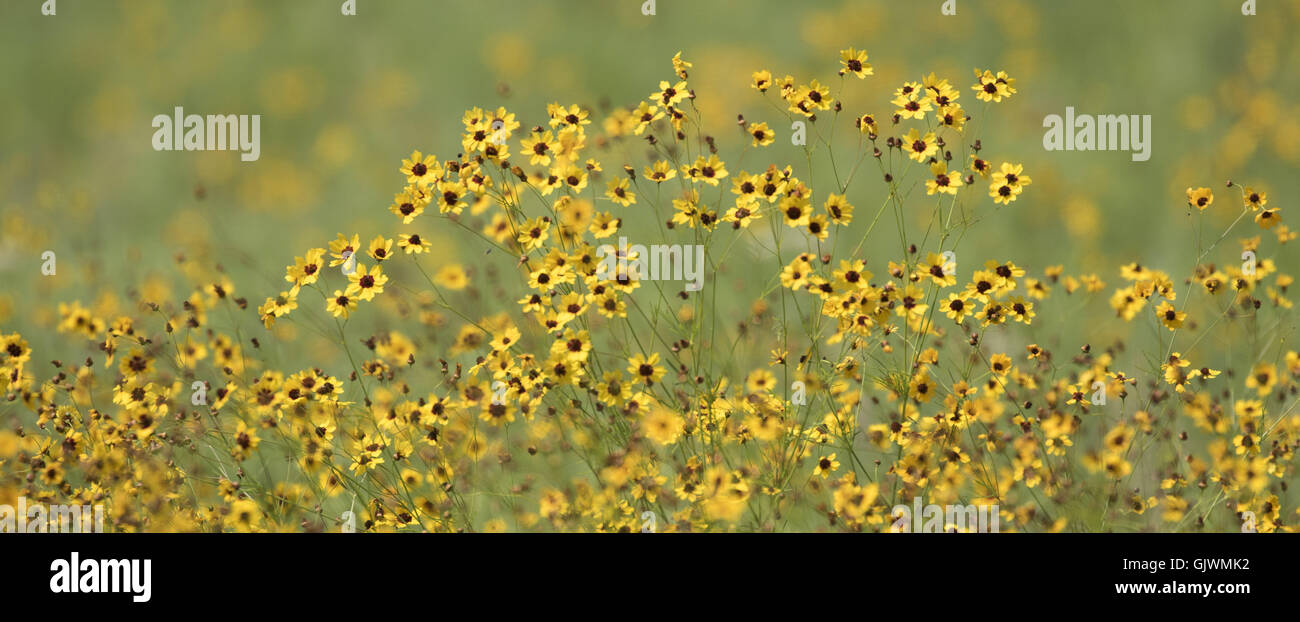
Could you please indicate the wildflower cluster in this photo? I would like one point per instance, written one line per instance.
(537, 388)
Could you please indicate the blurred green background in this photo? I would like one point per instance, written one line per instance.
(344, 98)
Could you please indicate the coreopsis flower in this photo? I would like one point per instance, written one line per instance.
(612, 389)
(450, 196)
(412, 243)
(1169, 316)
(365, 284)
(826, 465)
(278, 306)
(1010, 176)
(985, 283)
(497, 414)
(1205, 373)
(993, 312)
(912, 106)
(367, 454)
(1262, 378)
(1002, 192)
(1115, 466)
(340, 304)
(545, 278)
(14, 353)
(1267, 218)
(952, 116)
(1248, 411)
(571, 141)
(1200, 198)
(839, 209)
(1174, 371)
(245, 441)
(817, 227)
(761, 80)
(741, 216)
(939, 90)
(135, 393)
(343, 249)
(919, 147)
(866, 124)
(605, 224)
(645, 369)
(619, 192)
(1057, 445)
(746, 187)
(660, 172)
(852, 275)
(680, 66)
(1253, 199)
(219, 290)
(1246, 444)
(760, 134)
(645, 114)
(534, 233)
(957, 306)
(815, 96)
(992, 87)
(795, 210)
(539, 147)
(1118, 438)
(921, 388)
(686, 209)
(609, 304)
(476, 138)
(777, 183)
(934, 268)
(669, 94)
(570, 116)
(785, 86)
(1000, 364)
(944, 182)
(505, 339)
(380, 248)
(574, 346)
(708, 170)
(855, 63)
(501, 124)
(575, 215)
(306, 269)
(1021, 310)
(243, 516)
(475, 179)
(1127, 302)
(1036, 289)
(573, 177)
(421, 170)
(409, 203)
